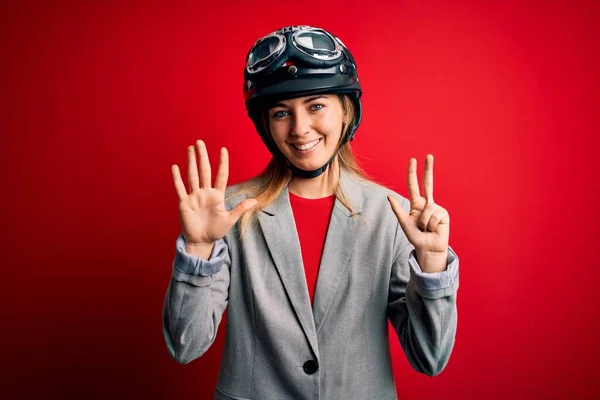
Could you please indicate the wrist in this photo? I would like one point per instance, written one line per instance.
(199, 249)
(431, 262)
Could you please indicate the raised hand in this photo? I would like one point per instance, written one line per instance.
(204, 218)
(427, 224)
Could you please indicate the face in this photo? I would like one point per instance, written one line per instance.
(307, 129)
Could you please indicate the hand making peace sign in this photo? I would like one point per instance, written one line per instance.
(427, 225)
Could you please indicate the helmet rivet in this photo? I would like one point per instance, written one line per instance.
(249, 84)
(343, 68)
(292, 69)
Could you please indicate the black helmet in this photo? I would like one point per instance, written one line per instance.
(298, 61)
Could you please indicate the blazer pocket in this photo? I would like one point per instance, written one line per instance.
(220, 395)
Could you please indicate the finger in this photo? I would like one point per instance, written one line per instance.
(428, 211)
(413, 183)
(428, 179)
(179, 186)
(401, 214)
(205, 172)
(434, 221)
(240, 209)
(223, 171)
(193, 179)
(438, 217)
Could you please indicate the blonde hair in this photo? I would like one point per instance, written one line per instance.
(267, 185)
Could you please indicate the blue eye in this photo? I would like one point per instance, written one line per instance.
(280, 114)
(320, 106)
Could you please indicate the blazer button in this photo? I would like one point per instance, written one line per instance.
(310, 367)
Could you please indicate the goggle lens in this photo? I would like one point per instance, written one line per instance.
(263, 49)
(315, 41)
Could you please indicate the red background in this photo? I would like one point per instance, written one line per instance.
(100, 98)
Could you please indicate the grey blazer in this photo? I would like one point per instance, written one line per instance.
(278, 346)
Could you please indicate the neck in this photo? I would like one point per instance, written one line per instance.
(314, 188)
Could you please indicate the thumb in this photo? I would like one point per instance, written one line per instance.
(240, 209)
(399, 211)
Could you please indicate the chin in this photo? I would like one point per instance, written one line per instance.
(308, 165)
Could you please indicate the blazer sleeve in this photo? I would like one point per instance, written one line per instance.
(196, 298)
(422, 307)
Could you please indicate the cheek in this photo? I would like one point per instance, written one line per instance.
(332, 125)
(276, 129)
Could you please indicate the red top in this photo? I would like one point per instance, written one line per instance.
(312, 220)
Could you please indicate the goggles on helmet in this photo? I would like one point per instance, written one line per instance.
(313, 46)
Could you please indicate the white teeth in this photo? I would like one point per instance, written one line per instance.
(307, 145)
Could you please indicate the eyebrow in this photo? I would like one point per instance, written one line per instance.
(305, 101)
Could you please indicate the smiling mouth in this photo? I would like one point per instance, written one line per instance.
(307, 146)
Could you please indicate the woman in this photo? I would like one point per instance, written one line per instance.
(321, 257)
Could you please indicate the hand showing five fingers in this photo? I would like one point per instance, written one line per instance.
(204, 218)
(427, 224)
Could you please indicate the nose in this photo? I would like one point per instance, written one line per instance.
(301, 123)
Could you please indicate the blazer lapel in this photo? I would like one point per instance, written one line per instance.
(339, 245)
(279, 229)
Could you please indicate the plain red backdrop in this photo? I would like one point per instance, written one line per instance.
(99, 98)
